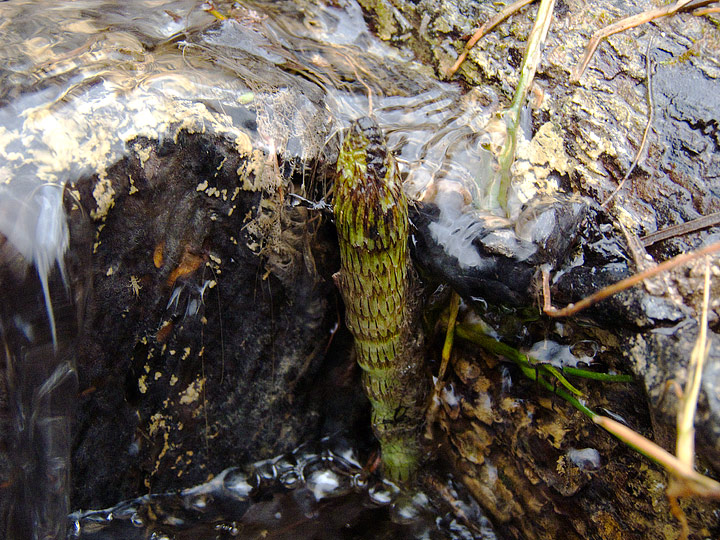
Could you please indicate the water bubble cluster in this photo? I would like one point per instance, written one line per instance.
(320, 486)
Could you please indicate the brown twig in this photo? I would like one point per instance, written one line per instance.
(484, 29)
(615, 288)
(702, 222)
(628, 23)
(706, 11)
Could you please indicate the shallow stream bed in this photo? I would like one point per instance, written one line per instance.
(174, 344)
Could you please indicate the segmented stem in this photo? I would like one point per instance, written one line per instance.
(371, 215)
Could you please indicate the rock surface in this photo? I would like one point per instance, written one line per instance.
(585, 137)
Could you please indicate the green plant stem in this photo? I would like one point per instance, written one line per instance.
(528, 369)
(371, 215)
(687, 480)
(499, 190)
(605, 377)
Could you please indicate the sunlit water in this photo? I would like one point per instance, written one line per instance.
(78, 80)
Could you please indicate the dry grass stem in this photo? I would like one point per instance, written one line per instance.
(706, 11)
(615, 288)
(684, 480)
(626, 24)
(444, 361)
(691, 481)
(685, 447)
(484, 29)
(449, 336)
(702, 222)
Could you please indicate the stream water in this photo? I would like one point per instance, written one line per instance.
(318, 491)
(78, 80)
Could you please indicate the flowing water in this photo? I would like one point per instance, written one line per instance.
(318, 491)
(78, 80)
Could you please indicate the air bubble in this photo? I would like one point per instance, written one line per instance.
(199, 502)
(266, 470)
(323, 483)
(290, 479)
(136, 520)
(383, 493)
(359, 481)
(235, 483)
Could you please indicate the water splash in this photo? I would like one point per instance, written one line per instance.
(33, 221)
(39, 359)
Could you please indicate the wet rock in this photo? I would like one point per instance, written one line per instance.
(590, 132)
(662, 356)
(599, 120)
(204, 283)
(488, 258)
(177, 379)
